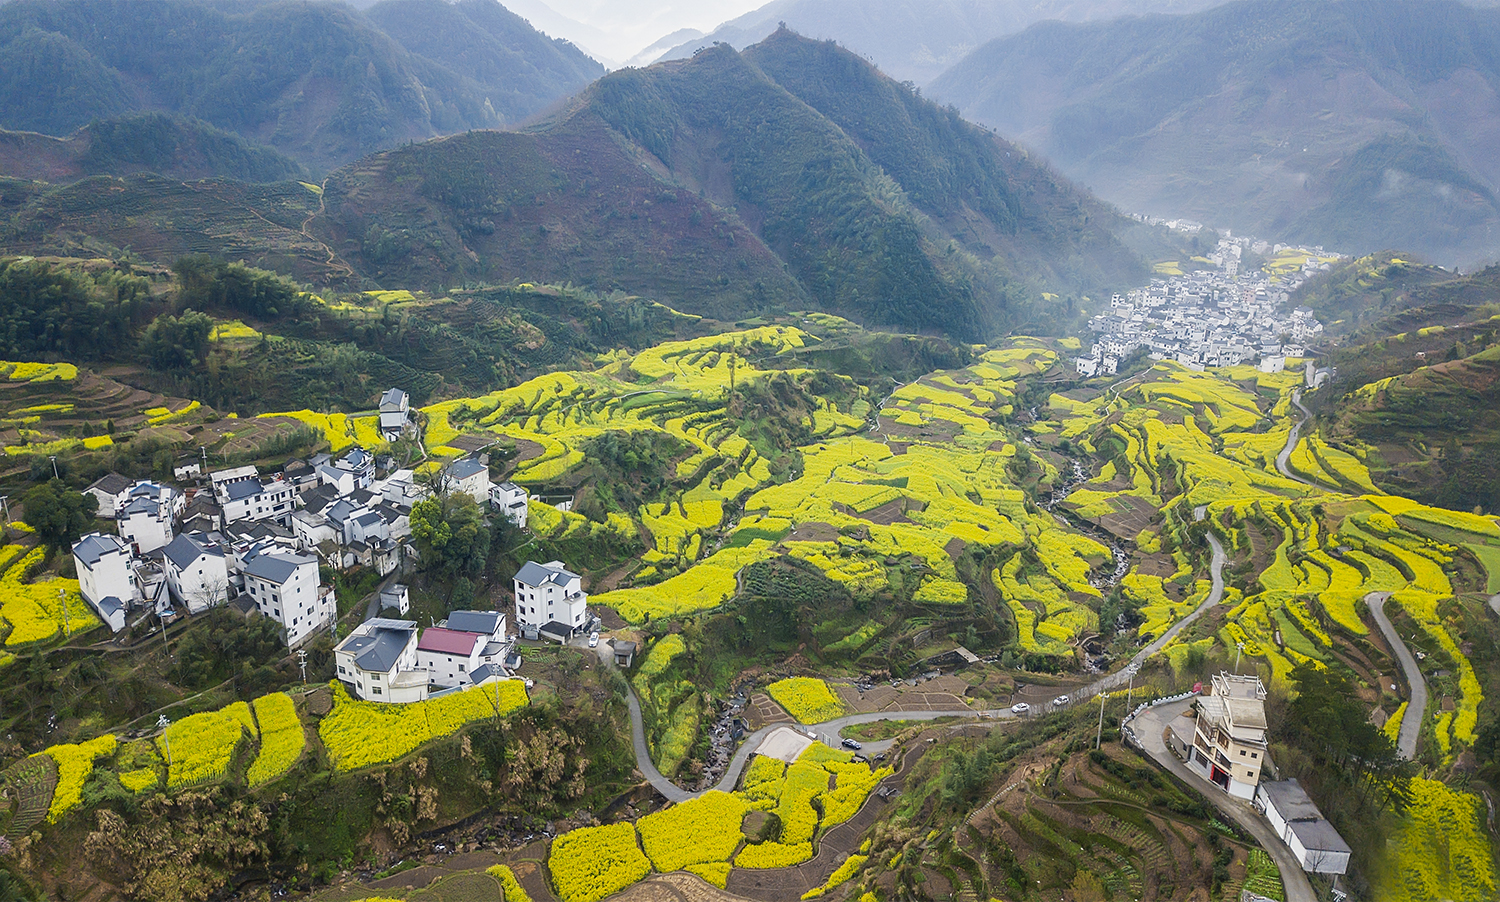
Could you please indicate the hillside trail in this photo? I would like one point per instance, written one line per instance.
(333, 262)
(1416, 707)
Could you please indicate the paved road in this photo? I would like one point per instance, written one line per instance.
(1148, 729)
(1416, 708)
(1495, 604)
(1285, 456)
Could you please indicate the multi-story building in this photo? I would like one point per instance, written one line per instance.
(378, 662)
(146, 514)
(285, 588)
(258, 499)
(197, 572)
(104, 578)
(509, 500)
(394, 407)
(1229, 741)
(550, 600)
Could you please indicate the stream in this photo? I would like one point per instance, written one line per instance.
(1078, 477)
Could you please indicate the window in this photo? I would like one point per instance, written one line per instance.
(376, 690)
(460, 668)
(1242, 753)
(1255, 754)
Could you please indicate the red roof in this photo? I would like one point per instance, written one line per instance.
(448, 642)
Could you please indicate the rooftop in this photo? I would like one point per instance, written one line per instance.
(449, 642)
(534, 574)
(485, 622)
(276, 567)
(93, 547)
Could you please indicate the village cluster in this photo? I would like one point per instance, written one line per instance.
(258, 544)
(1219, 317)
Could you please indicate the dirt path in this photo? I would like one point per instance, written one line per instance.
(1416, 708)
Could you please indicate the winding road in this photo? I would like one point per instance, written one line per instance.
(830, 730)
(1284, 458)
(1416, 707)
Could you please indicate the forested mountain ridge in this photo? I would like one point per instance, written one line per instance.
(729, 191)
(915, 40)
(1357, 125)
(172, 146)
(319, 82)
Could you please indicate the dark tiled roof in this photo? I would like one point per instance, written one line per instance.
(275, 568)
(475, 621)
(92, 548)
(111, 484)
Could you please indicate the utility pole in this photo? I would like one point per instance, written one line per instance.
(62, 602)
(1240, 649)
(1099, 736)
(53, 458)
(302, 663)
(1130, 690)
(5, 505)
(162, 723)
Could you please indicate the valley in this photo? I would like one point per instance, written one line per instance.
(433, 467)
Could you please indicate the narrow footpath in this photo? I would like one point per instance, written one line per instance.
(1416, 706)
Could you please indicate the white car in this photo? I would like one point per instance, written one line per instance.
(1060, 701)
(593, 640)
(1019, 708)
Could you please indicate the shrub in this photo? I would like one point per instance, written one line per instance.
(510, 887)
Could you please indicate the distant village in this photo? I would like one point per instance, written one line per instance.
(1220, 317)
(258, 544)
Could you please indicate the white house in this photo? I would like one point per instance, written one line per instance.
(378, 662)
(110, 489)
(221, 480)
(1318, 846)
(312, 530)
(510, 500)
(469, 477)
(104, 578)
(1229, 741)
(285, 588)
(258, 499)
(449, 656)
(145, 515)
(396, 596)
(197, 572)
(454, 650)
(394, 407)
(550, 599)
(186, 471)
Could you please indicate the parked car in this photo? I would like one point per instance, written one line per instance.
(1019, 708)
(1060, 701)
(850, 744)
(593, 640)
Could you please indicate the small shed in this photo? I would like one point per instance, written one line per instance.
(396, 596)
(1318, 846)
(624, 654)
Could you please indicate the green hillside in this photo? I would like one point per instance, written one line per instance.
(731, 192)
(167, 145)
(319, 82)
(1358, 125)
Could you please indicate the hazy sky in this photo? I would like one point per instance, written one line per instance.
(616, 30)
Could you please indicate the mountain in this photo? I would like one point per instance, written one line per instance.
(142, 142)
(319, 82)
(914, 40)
(793, 174)
(1358, 125)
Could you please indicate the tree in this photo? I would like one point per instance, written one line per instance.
(58, 514)
(177, 342)
(451, 534)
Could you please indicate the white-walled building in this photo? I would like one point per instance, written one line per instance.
(197, 572)
(394, 415)
(110, 490)
(258, 499)
(510, 501)
(1318, 846)
(146, 514)
(548, 595)
(1229, 741)
(469, 477)
(453, 650)
(285, 588)
(104, 577)
(378, 662)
